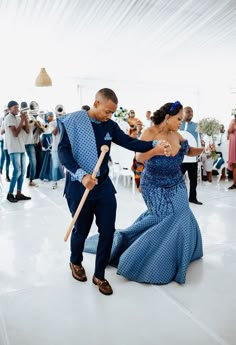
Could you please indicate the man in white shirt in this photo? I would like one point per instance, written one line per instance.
(14, 127)
(4, 153)
(148, 121)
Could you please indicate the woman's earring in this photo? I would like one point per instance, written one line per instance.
(167, 121)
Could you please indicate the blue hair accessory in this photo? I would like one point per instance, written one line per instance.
(174, 106)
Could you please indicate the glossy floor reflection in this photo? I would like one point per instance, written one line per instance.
(40, 303)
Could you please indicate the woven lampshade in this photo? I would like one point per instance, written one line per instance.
(43, 79)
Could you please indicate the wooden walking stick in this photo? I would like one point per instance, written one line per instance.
(104, 150)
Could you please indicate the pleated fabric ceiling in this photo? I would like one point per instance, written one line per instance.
(125, 39)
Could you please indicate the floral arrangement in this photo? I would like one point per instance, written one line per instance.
(210, 127)
(121, 113)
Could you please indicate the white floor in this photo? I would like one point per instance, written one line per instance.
(40, 303)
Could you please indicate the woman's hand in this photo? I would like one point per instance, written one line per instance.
(212, 147)
(163, 147)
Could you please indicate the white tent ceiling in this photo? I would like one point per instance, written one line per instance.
(184, 41)
(145, 39)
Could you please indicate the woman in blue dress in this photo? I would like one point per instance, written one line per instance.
(162, 242)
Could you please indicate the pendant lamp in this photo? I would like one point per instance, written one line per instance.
(43, 79)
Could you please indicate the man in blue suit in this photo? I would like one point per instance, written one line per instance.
(82, 135)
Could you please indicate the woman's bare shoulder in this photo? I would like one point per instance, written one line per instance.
(148, 134)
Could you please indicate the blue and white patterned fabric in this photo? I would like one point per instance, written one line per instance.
(162, 242)
(82, 139)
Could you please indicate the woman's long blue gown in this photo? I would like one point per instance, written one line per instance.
(158, 247)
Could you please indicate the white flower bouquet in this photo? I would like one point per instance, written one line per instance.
(209, 126)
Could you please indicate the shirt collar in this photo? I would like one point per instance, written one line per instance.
(94, 121)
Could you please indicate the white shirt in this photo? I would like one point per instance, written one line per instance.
(4, 136)
(29, 137)
(147, 123)
(13, 144)
(192, 142)
(55, 138)
(124, 126)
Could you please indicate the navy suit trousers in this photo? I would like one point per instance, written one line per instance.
(101, 204)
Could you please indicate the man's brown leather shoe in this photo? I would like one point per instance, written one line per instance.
(103, 285)
(78, 272)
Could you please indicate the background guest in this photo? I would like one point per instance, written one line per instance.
(190, 164)
(14, 127)
(46, 141)
(3, 147)
(148, 122)
(29, 144)
(133, 132)
(207, 160)
(232, 151)
(57, 171)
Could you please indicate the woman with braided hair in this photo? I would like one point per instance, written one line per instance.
(162, 242)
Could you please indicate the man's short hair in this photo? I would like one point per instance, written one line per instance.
(108, 94)
(85, 107)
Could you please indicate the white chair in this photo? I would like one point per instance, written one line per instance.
(220, 169)
(122, 160)
(115, 160)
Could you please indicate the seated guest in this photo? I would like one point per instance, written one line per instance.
(207, 160)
